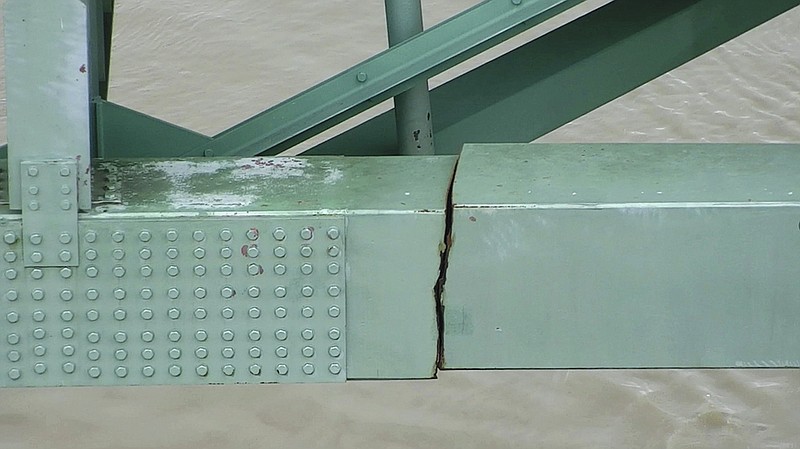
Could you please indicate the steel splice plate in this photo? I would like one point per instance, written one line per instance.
(190, 301)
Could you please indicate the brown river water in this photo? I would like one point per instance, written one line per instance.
(209, 64)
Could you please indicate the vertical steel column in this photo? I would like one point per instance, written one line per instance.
(48, 80)
(412, 108)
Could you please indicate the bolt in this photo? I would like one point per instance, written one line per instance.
(34, 205)
(66, 205)
(334, 351)
(333, 268)
(516, 2)
(121, 371)
(255, 352)
(94, 372)
(175, 370)
(65, 238)
(208, 152)
(228, 370)
(308, 334)
(227, 313)
(36, 239)
(66, 190)
(120, 293)
(255, 370)
(280, 312)
(254, 312)
(254, 335)
(225, 235)
(33, 190)
(172, 235)
(67, 315)
(33, 172)
(65, 171)
(334, 312)
(68, 367)
(282, 369)
(281, 352)
(307, 291)
(175, 353)
(280, 269)
(10, 238)
(65, 256)
(148, 354)
(202, 370)
(36, 257)
(148, 371)
(279, 234)
(362, 77)
(306, 251)
(200, 270)
(228, 352)
(333, 233)
(308, 312)
(308, 369)
(198, 236)
(280, 252)
(308, 351)
(281, 335)
(334, 334)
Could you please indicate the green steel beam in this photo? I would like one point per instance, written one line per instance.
(125, 133)
(213, 270)
(624, 256)
(383, 76)
(568, 72)
(49, 83)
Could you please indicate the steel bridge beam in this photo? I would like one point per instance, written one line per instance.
(568, 72)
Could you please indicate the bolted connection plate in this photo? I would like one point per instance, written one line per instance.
(186, 301)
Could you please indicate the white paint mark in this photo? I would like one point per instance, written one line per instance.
(332, 176)
(183, 200)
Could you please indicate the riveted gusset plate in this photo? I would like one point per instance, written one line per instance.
(50, 213)
(182, 301)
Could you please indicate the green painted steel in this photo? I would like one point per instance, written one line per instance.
(182, 302)
(383, 76)
(210, 270)
(568, 72)
(47, 44)
(624, 256)
(412, 108)
(125, 133)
